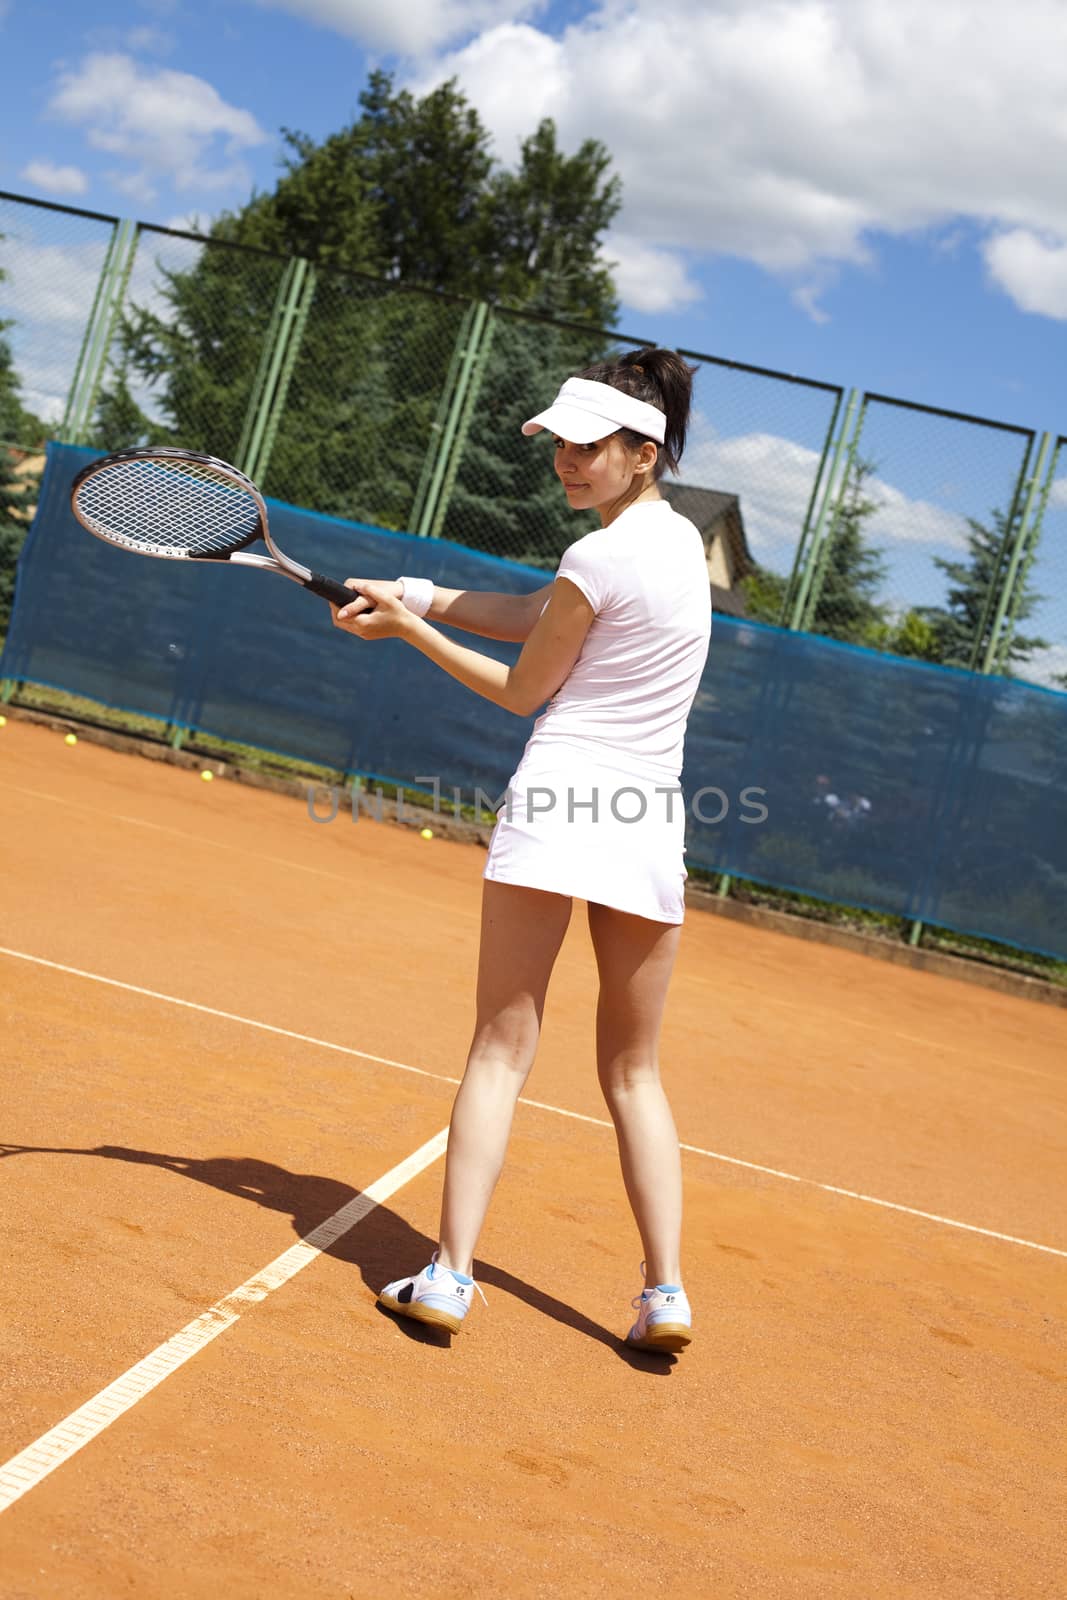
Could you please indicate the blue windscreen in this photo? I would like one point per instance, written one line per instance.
(898, 786)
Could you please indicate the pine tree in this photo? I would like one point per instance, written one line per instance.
(764, 593)
(853, 570)
(407, 195)
(118, 422)
(957, 627)
(18, 490)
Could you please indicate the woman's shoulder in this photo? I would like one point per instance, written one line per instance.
(588, 546)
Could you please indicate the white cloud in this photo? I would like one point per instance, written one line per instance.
(55, 180)
(515, 75)
(48, 294)
(190, 222)
(774, 477)
(1032, 269)
(1058, 492)
(410, 29)
(143, 40)
(1043, 666)
(788, 132)
(50, 284)
(150, 41)
(808, 294)
(165, 123)
(648, 279)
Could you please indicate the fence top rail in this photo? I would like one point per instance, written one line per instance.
(956, 416)
(203, 238)
(392, 285)
(572, 327)
(53, 205)
(764, 372)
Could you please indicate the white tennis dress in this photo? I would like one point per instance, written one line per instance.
(594, 808)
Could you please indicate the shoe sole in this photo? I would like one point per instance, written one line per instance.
(420, 1312)
(671, 1336)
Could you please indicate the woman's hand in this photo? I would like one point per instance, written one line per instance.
(376, 610)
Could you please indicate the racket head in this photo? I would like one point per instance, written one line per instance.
(161, 501)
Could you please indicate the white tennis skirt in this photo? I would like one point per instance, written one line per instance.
(595, 833)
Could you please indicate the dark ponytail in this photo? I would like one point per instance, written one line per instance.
(660, 378)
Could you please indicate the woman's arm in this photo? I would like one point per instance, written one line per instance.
(554, 645)
(493, 616)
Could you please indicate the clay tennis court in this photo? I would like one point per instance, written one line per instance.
(874, 1400)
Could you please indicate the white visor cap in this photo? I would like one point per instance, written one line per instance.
(585, 411)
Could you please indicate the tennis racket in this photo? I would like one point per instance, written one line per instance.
(185, 507)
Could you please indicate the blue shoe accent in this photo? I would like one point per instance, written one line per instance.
(433, 1270)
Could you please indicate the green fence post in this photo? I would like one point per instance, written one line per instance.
(447, 423)
(823, 547)
(437, 426)
(266, 356)
(997, 588)
(303, 295)
(92, 361)
(281, 341)
(818, 538)
(1015, 576)
(475, 373)
(817, 486)
(79, 365)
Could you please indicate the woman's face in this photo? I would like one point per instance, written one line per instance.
(596, 475)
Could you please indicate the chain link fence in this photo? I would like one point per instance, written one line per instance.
(1033, 634)
(867, 519)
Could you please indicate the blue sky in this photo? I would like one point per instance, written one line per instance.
(922, 316)
(868, 195)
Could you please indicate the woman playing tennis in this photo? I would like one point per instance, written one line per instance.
(616, 645)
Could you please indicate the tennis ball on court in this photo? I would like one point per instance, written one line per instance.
(207, 776)
(72, 738)
(3, 722)
(427, 833)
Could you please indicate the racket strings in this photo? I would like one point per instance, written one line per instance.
(176, 508)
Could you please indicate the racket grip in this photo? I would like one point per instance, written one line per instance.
(330, 589)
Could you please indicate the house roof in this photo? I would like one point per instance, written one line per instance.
(713, 511)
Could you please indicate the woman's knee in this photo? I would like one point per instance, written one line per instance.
(619, 1074)
(505, 1040)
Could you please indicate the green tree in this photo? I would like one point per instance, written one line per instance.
(764, 594)
(852, 569)
(973, 585)
(18, 489)
(850, 573)
(118, 422)
(405, 199)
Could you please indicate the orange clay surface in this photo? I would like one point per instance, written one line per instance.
(873, 1403)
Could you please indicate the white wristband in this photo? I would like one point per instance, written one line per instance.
(417, 594)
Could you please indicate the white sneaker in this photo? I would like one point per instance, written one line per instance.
(664, 1318)
(436, 1295)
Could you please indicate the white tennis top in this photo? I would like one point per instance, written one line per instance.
(632, 687)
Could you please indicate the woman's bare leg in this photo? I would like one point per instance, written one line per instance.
(635, 959)
(522, 930)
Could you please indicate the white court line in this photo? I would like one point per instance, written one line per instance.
(558, 1111)
(25, 1470)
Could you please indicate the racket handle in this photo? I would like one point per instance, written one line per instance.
(330, 589)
